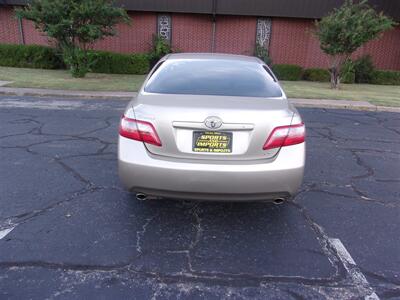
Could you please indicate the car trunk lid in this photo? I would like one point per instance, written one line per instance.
(180, 121)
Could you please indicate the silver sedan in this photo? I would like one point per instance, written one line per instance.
(211, 127)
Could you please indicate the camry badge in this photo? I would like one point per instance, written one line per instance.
(213, 122)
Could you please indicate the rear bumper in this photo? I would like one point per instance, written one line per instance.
(187, 179)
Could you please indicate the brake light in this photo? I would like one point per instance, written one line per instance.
(286, 136)
(139, 130)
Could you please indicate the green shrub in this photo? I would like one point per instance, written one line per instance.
(102, 62)
(116, 63)
(287, 72)
(141, 63)
(316, 74)
(363, 68)
(386, 77)
(41, 57)
(77, 61)
(262, 53)
(30, 56)
(347, 72)
(160, 48)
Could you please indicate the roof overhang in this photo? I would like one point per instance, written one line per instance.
(312, 9)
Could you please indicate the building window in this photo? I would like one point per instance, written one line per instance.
(164, 27)
(263, 31)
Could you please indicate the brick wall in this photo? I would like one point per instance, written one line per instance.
(235, 34)
(292, 41)
(9, 32)
(385, 50)
(133, 37)
(32, 36)
(191, 33)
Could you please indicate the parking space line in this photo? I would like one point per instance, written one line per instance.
(351, 267)
(4, 232)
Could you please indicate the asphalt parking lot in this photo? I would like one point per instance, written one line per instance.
(68, 230)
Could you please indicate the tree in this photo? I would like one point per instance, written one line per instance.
(347, 28)
(75, 25)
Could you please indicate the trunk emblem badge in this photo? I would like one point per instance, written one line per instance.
(213, 122)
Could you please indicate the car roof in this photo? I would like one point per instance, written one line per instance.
(212, 56)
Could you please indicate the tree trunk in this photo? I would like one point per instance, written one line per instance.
(336, 65)
(335, 78)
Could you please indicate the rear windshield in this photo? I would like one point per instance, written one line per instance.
(213, 77)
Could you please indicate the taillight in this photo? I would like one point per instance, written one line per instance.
(139, 131)
(286, 136)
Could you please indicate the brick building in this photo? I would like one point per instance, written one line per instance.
(228, 26)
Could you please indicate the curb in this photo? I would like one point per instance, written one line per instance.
(66, 93)
(342, 104)
(388, 109)
(310, 103)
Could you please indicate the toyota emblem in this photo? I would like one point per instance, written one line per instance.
(213, 122)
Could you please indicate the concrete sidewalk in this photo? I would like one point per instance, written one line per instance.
(322, 103)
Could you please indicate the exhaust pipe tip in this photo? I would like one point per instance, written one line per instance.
(279, 201)
(141, 197)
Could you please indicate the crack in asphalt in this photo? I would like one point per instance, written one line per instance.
(348, 273)
(27, 216)
(238, 279)
(194, 211)
(142, 232)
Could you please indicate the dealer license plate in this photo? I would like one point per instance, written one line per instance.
(212, 141)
